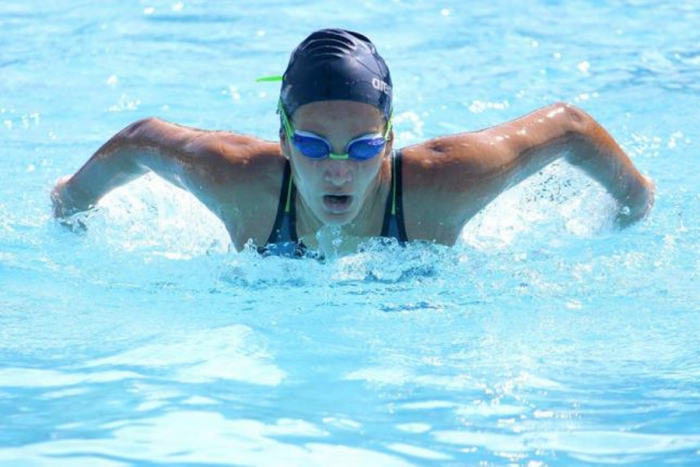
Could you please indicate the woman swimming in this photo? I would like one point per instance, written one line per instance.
(335, 164)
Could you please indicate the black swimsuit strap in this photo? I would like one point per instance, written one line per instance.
(394, 225)
(282, 206)
(283, 240)
(291, 208)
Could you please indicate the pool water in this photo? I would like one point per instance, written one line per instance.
(544, 338)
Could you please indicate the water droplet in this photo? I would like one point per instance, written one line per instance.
(584, 67)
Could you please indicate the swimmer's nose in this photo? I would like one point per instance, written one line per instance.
(337, 172)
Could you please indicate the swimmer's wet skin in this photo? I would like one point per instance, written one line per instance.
(336, 152)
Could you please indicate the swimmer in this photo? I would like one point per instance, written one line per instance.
(335, 165)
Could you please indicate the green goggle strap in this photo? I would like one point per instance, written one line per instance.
(269, 79)
(286, 124)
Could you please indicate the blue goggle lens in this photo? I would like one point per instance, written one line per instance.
(310, 146)
(366, 148)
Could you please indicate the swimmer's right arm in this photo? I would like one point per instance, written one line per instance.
(112, 165)
(195, 160)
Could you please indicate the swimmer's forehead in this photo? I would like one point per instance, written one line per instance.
(355, 116)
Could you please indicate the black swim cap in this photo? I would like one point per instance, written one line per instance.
(335, 64)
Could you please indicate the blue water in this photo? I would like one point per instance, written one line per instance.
(544, 338)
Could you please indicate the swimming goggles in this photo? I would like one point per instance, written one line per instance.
(314, 147)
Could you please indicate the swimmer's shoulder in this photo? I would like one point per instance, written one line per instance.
(442, 161)
(238, 158)
(443, 185)
(245, 175)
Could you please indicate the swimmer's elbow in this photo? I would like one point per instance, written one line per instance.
(578, 123)
(149, 144)
(138, 130)
(578, 133)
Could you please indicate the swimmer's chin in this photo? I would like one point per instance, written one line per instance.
(337, 214)
(336, 220)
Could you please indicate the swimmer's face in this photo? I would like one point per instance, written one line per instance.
(336, 190)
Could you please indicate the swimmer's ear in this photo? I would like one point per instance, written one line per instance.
(283, 143)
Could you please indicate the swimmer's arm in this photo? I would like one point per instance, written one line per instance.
(195, 160)
(111, 166)
(500, 157)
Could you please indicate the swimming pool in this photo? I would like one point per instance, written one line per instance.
(544, 338)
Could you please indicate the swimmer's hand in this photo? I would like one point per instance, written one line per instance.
(637, 205)
(64, 202)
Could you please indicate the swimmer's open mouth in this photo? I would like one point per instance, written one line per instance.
(336, 199)
(337, 202)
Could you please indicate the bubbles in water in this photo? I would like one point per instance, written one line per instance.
(478, 106)
(560, 199)
(125, 104)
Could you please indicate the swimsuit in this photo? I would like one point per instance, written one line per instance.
(283, 240)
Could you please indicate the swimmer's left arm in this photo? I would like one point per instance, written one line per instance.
(500, 157)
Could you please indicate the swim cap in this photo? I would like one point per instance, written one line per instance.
(335, 64)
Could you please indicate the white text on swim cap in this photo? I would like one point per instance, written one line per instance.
(380, 85)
